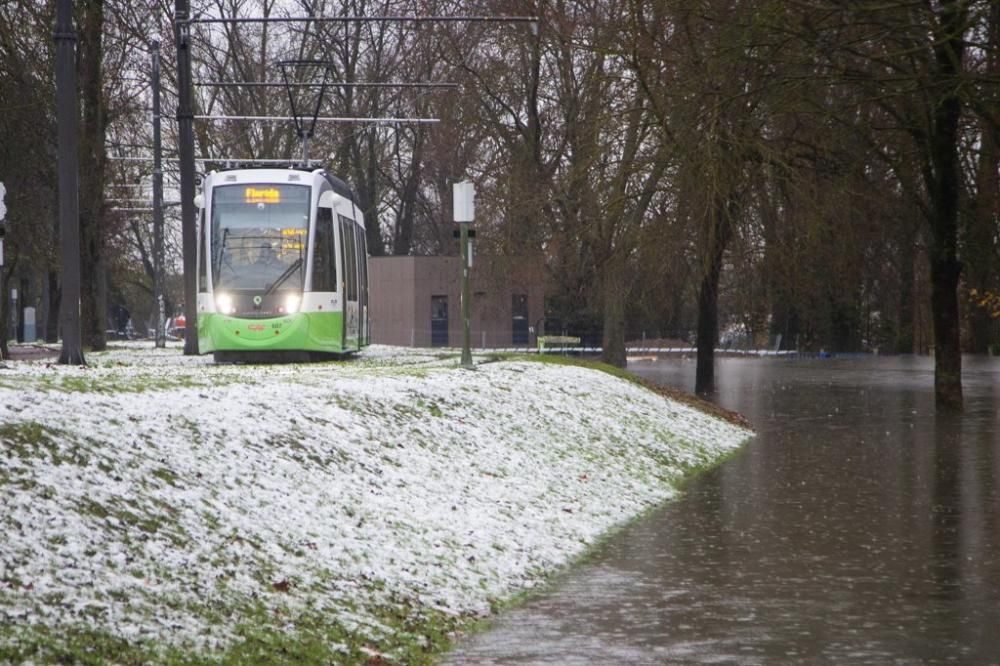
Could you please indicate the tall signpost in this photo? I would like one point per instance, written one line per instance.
(185, 150)
(3, 232)
(69, 203)
(157, 202)
(464, 203)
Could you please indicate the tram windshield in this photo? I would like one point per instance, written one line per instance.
(259, 236)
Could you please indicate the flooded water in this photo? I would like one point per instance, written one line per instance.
(858, 527)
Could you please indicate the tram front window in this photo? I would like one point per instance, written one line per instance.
(259, 237)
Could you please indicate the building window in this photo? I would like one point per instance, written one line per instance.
(519, 319)
(439, 321)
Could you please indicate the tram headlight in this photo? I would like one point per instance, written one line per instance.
(224, 303)
(292, 302)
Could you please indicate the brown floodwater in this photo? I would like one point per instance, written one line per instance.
(858, 527)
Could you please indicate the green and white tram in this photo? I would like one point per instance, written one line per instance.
(282, 266)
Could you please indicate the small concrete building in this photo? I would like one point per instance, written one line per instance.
(416, 301)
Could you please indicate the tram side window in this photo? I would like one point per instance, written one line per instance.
(324, 254)
(343, 255)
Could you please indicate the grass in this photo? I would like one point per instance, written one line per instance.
(666, 391)
(401, 630)
(411, 634)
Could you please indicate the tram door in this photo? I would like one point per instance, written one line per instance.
(349, 284)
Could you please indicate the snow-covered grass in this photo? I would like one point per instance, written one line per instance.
(160, 507)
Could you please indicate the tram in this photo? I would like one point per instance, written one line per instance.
(282, 266)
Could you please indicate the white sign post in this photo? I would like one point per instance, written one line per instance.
(464, 204)
(465, 201)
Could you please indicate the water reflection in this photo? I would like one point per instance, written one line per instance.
(859, 527)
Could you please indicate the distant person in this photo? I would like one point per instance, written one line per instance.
(176, 326)
(122, 320)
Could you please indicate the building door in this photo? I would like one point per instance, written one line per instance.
(519, 320)
(439, 321)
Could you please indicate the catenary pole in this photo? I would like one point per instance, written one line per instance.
(185, 151)
(68, 169)
(159, 305)
(463, 205)
(466, 298)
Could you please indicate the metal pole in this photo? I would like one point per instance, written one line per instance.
(3, 319)
(466, 337)
(463, 205)
(69, 203)
(185, 150)
(159, 306)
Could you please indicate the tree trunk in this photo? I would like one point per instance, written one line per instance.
(92, 162)
(52, 319)
(947, 350)
(708, 330)
(403, 236)
(613, 300)
(943, 185)
(708, 296)
(904, 342)
(68, 173)
(980, 246)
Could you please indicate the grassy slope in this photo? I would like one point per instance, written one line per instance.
(410, 630)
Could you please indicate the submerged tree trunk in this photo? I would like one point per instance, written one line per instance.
(708, 295)
(942, 178)
(947, 349)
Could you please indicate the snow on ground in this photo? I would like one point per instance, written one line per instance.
(153, 496)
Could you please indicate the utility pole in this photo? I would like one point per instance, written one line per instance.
(185, 150)
(161, 338)
(3, 232)
(69, 203)
(464, 195)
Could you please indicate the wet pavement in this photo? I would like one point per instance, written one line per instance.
(858, 527)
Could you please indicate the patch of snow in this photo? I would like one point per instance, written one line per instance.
(144, 492)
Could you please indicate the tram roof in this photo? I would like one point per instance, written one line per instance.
(338, 185)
